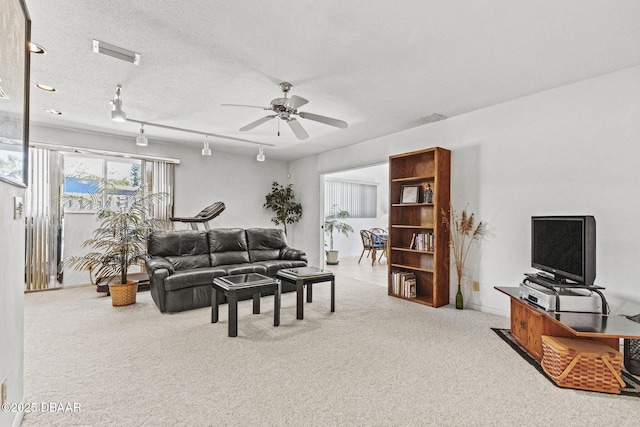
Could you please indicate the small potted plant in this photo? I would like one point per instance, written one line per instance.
(120, 241)
(332, 222)
(282, 202)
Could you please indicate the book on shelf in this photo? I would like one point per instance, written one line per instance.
(422, 242)
(410, 288)
(403, 283)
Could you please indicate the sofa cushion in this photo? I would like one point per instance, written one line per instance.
(273, 266)
(265, 243)
(177, 243)
(188, 262)
(184, 249)
(227, 246)
(193, 277)
(243, 269)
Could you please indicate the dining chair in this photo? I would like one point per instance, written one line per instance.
(370, 245)
(380, 235)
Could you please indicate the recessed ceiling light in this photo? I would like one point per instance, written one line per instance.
(46, 88)
(36, 48)
(54, 112)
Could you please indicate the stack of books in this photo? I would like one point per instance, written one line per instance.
(403, 283)
(422, 242)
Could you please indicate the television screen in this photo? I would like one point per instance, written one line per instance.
(565, 246)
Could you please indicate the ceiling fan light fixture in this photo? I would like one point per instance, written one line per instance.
(285, 107)
(117, 115)
(142, 140)
(206, 151)
(260, 157)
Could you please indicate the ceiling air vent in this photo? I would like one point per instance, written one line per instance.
(116, 52)
(434, 117)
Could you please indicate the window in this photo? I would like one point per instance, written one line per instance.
(357, 198)
(83, 176)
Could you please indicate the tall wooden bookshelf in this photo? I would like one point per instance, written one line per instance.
(412, 216)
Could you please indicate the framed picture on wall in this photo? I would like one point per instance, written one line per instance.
(410, 194)
(15, 26)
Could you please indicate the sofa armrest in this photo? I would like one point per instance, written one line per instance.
(158, 269)
(293, 254)
(157, 263)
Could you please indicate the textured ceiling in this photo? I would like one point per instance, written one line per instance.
(380, 66)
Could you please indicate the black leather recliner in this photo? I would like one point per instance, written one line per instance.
(182, 264)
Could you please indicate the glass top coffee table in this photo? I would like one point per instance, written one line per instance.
(240, 285)
(302, 276)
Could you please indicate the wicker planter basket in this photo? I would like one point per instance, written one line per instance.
(582, 364)
(123, 294)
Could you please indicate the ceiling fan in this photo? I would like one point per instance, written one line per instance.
(285, 108)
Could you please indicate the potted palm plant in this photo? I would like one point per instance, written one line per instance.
(332, 222)
(119, 241)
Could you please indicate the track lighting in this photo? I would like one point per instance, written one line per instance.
(206, 151)
(142, 140)
(260, 156)
(117, 115)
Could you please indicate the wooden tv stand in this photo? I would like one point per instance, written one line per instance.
(529, 323)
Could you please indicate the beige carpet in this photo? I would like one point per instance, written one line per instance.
(377, 360)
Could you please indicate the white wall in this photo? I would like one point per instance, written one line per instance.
(11, 299)
(571, 150)
(239, 181)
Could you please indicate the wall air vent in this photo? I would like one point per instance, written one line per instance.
(116, 52)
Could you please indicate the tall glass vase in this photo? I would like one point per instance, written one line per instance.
(459, 301)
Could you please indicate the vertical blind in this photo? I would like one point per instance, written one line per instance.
(43, 227)
(357, 198)
(159, 177)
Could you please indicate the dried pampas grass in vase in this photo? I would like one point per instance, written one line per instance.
(463, 231)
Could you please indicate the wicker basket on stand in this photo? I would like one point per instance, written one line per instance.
(123, 294)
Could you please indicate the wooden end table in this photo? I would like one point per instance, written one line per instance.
(240, 285)
(302, 276)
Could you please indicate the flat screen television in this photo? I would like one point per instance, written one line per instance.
(565, 246)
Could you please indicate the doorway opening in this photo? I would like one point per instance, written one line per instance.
(364, 194)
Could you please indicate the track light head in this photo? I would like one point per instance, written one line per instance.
(117, 115)
(206, 151)
(142, 140)
(260, 157)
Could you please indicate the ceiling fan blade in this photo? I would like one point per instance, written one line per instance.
(295, 102)
(323, 119)
(257, 123)
(243, 105)
(297, 128)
